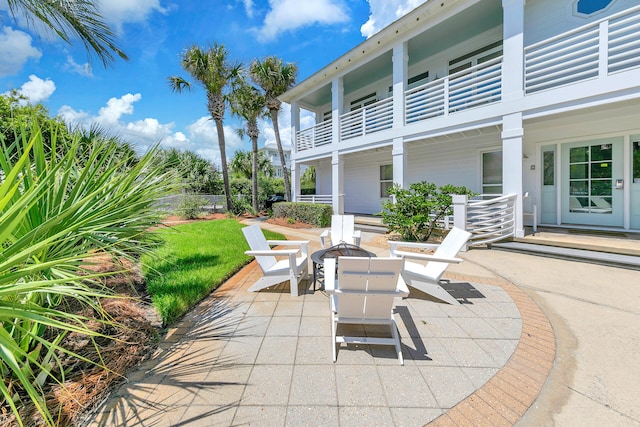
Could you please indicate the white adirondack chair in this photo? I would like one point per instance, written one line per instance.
(425, 272)
(364, 294)
(293, 268)
(342, 230)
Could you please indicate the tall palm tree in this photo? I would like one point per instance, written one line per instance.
(275, 78)
(72, 19)
(213, 71)
(247, 102)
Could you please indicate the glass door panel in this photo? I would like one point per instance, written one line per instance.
(589, 196)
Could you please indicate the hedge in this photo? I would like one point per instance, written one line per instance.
(311, 213)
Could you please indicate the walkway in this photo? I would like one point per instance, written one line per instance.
(244, 358)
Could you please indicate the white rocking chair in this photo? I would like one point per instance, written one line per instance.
(342, 230)
(293, 268)
(364, 294)
(426, 276)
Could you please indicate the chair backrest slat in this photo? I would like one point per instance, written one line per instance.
(257, 242)
(342, 229)
(449, 248)
(372, 281)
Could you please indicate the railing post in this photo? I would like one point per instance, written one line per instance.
(445, 87)
(460, 213)
(603, 49)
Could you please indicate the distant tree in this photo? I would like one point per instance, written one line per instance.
(309, 175)
(247, 102)
(198, 175)
(213, 71)
(275, 78)
(68, 19)
(241, 165)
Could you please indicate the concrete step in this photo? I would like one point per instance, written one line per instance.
(595, 257)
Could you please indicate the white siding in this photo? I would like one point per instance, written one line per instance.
(362, 181)
(455, 162)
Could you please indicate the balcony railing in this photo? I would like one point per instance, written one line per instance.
(473, 87)
(363, 121)
(325, 199)
(315, 136)
(594, 50)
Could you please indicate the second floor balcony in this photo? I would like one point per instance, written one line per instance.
(594, 51)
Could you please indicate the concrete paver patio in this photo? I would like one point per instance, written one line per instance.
(243, 358)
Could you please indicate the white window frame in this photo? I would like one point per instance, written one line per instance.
(384, 181)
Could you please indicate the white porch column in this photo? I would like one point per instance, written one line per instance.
(513, 49)
(400, 161)
(337, 105)
(295, 180)
(337, 182)
(512, 135)
(295, 126)
(400, 76)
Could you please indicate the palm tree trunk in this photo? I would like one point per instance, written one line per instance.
(254, 172)
(285, 171)
(223, 162)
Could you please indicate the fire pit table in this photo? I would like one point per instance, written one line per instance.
(341, 249)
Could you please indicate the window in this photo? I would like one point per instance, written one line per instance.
(476, 57)
(386, 179)
(492, 172)
(363, 102)
(548, 168)
(590, 179)
(589, 7)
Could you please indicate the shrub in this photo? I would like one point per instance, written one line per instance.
(190, 206)
(419, 210)
(311, 213)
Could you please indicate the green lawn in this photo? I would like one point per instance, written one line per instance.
(195, 259)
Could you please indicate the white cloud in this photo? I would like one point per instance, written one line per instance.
(116, 107)
(203, 140)
(202, 137)
(384, 12)
(15, 51)
(288, 15)
(82, 69)
(119, 12)
(141, 133)
(248, 7)
(37, 90)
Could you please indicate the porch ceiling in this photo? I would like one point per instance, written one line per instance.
(476, 19)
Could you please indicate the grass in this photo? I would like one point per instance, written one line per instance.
(194, 260)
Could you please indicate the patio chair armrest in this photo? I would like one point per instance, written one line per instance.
(330, 275)
(357, 237)
(427, 257)
(288, 242)
(273, 252)
(393, 245)
(403, 289)
(323, 236)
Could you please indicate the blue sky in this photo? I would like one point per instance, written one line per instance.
(132, 98)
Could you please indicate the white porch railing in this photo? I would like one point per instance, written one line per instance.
(363, 121)
(314, 136)
(488, 220)
(326, 199)
(595, 50)
(473, 87)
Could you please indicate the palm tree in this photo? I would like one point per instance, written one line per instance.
(211, 69)
(241, 164)
(78, 18)
(247, 102)
(275, 78)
